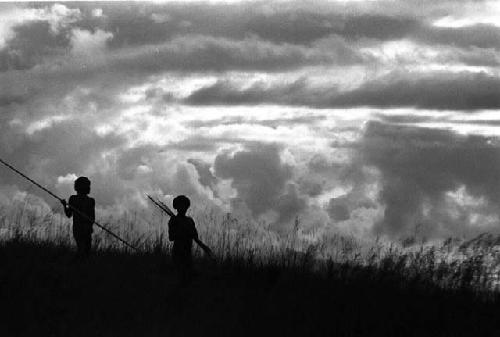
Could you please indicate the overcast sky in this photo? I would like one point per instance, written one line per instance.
(368, 117)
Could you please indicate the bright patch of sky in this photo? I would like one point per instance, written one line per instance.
(472, 13)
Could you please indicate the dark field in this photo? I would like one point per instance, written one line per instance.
(44, 293)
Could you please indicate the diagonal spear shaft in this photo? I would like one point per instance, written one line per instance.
(72, 208)
(161, 206)
(169, 212)
(29, 179)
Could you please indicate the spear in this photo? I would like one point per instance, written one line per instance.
(72, 208)
(161, 205)
(169, 212)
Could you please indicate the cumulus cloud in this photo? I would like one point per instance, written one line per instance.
(419, 166)
(32, 43)
(120, 174)
(206, 177)
(183, 98)
(338, 209)
(65, 147)
(290, 205)
(260, 178)
(57, 17)
(86, 43)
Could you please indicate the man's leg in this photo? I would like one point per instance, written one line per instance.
(187, 269)
(87, 245)
(79, 247)
(83, 241)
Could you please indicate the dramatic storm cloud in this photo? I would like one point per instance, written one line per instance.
(366, 117)
(260, 178)
(420, 167)
(461, 91)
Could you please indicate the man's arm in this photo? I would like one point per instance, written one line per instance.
(196, 239)
(92, 210)
(67, 210)
(203, 246)
(171, 230)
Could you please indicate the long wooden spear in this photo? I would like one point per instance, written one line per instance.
(161, 205)
(169, 212)
(72, 208)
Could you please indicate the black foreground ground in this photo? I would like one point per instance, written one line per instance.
(43, 293)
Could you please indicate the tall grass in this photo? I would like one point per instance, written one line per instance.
(262, 283)
(449, 264)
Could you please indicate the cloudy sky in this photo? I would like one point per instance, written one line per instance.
(367, 117)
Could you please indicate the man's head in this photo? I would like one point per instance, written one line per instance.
(181, 204)
(82, 185)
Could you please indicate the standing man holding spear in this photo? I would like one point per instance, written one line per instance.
(182, 231)
(86, 215)
(83, 220)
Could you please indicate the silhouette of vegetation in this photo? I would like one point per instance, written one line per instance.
(259, 284)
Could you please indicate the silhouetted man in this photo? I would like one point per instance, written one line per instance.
(182, 231)
(82, 209)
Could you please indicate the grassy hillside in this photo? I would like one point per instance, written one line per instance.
(115, 293)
